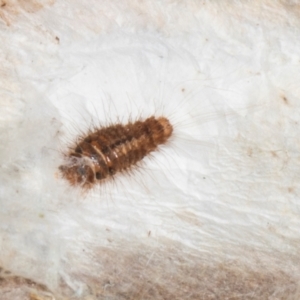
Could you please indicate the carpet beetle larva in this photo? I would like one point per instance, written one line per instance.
(112, 149)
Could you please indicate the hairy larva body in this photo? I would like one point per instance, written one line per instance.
(112, 149)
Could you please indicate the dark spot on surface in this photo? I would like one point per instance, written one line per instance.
(57, 39)
(274, 154)
(183, 89)
(285, 100)
(250, 152)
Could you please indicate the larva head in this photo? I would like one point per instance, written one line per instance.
(78, 171)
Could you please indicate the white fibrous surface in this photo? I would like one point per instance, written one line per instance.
(214, 213)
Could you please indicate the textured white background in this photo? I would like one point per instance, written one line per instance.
(215, 213)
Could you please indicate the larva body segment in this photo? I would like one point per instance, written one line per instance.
(113, 149)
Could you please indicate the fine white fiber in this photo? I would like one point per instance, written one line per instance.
(215, 212)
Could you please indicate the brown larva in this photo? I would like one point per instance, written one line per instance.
(112, 149)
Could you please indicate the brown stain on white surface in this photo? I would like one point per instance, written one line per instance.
(17, 287)
(10, 9)
(170, 272)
